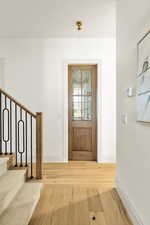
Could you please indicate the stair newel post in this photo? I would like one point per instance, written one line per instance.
(39, 145)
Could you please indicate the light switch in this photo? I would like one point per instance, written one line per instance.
(130, 92)
(124, 119)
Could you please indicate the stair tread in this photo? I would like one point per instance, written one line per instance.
(10, 184)
(21, 208)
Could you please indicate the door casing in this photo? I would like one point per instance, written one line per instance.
(66, 63)
(87, 128)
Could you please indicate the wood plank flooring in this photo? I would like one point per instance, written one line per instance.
(79, 193)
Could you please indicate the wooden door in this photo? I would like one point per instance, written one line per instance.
(82, 80)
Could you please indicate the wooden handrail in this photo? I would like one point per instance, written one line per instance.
(17, 103)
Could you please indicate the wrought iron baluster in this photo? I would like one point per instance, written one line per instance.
(26, 122)
(16, 135)
(10, 127)
(31, 149)
(6, 139)
(21, 122)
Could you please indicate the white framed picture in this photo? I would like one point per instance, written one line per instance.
(143, 79)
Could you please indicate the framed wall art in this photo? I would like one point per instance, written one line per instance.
(143, 79)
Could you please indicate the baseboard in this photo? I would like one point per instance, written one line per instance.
(128, 204)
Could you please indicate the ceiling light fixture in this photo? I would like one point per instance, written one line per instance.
(79, 25)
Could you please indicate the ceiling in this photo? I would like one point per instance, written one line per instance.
(56, 18)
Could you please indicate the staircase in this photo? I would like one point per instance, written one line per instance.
(20, 160)
(17, 198)
(21, 134)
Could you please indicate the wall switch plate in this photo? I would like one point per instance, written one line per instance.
(124, 119)
(130, 92)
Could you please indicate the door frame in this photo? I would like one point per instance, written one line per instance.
(99, 104)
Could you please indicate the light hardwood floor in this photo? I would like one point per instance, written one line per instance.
(79, 193)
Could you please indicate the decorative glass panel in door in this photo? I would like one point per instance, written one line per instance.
(82, 95)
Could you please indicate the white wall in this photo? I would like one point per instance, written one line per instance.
(34, 74)
(1, 73)
(133, 140)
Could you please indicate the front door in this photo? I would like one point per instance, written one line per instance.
(82, 80)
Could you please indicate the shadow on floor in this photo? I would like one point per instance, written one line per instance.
(72, 205)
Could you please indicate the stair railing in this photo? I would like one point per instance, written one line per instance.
(21, 134)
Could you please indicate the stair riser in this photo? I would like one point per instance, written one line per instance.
(11, 195)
